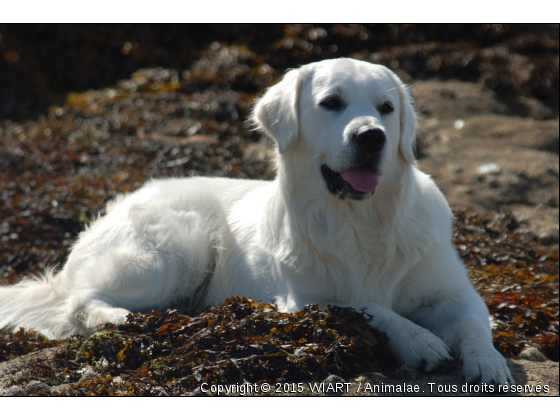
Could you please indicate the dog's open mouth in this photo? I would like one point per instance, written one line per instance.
(356, 184)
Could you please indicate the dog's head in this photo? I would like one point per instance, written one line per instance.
(353, 120)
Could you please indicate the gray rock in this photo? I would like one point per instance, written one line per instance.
(198, 393)
(377, 377)
(334, 386)
(63, 389)
(34, 387)
(89, 374)
(14, 391)
(159, 392)
(533, 354)
(406, 372)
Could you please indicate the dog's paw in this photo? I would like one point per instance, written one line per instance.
(116, 316)
(487, 367)
(95, 318)
(422, 349)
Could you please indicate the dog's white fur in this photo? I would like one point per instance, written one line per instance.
(189, 243)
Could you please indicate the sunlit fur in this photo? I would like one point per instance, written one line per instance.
(190, 243)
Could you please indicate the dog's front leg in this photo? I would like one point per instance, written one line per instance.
(453, 310)
(462, 322)
(411, 344)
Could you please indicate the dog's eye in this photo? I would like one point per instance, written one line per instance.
(332, 103)
(386, 108)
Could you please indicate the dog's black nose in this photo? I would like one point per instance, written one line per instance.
(371, 140)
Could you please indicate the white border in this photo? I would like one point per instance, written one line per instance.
(279, 11)
(258, 408)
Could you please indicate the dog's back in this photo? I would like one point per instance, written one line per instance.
(154, 249)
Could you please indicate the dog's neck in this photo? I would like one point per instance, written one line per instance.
(306, 211)
(309, 228)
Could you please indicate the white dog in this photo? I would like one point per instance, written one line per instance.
(349, 220)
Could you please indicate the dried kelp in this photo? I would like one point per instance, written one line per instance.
(241, 341)
(518, 279)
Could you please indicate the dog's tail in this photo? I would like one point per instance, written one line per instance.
(38, 304)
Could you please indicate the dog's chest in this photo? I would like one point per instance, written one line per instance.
(350, 265)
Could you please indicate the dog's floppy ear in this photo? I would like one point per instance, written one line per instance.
(409, 123)
(276, 113)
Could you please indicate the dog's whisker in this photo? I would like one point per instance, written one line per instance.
(322, 153)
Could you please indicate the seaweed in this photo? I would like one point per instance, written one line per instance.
(240, 341)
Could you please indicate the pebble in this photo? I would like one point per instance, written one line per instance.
(34, 387)
(459, 124)
(159, 392)
(198, 393)
(89, 374)
(334, 379)
(406, 372)
(532, 354)
(377, 377)
(489, 169)
(14, 391)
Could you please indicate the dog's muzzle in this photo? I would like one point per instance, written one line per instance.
(355, 184)
(361, 179)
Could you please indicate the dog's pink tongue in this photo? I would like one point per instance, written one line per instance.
(362, 179)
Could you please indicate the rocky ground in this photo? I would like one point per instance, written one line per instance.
(488, 160)
(489, 136)
(533, 378)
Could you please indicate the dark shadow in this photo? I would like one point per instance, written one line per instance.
(40, 64)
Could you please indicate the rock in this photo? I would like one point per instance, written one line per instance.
(159, 392)
(14, 391)
(35, 387)
(459, 124)
(406, 372)
(533, 354)
(89, 374)
(377, 377)
(198, 393)
(549, 239)
(334, 385)
(495, 162)
(59, 390)
(489, 169)
(455, 99)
